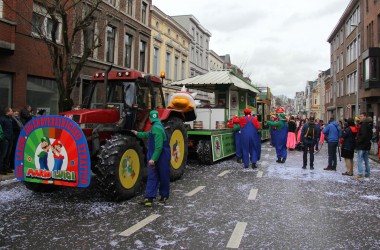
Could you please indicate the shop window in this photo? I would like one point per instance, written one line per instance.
(42, 93)
(5, 90)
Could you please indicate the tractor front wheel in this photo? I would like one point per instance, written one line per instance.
(120, 166)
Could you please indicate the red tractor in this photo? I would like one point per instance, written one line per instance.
(117, 102)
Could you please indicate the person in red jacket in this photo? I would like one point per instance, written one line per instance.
(249, 126)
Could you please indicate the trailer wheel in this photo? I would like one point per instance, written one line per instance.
(40, 188)
(119, 169)
(199, 152)
(207, 152)
(178, 147)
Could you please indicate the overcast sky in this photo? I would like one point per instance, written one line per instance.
(278, 43)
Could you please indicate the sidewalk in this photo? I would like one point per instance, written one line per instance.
(7, 177)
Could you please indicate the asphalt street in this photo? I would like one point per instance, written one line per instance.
(219, 206)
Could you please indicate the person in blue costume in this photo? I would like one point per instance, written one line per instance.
(158, 158)
(43, 155)
(249, 136)
(237, 139)
(280, 135)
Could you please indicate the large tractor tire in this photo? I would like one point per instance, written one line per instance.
(40, 188)
(120, 168)
(178, 147)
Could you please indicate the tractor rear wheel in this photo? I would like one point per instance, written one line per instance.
(178, 147)
(120, 168)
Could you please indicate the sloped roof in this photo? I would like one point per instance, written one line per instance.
(210, 80)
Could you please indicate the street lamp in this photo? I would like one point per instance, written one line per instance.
(357, 69)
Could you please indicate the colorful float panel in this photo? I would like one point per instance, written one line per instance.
(53, 150)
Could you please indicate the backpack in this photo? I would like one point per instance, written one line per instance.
(310, 133)
(1, 134)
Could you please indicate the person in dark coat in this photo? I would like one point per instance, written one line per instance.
(26, 114)
(309, 137)
(348, 141)
(363, 144)
(6, 144)
(17, 126)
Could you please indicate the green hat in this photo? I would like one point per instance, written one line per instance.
(153, 116)
(282, 115)
(45, 139)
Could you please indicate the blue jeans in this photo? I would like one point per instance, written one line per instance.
(363, 155)
(332, 154)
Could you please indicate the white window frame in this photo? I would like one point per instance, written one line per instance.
(1, 8)
(42, 11)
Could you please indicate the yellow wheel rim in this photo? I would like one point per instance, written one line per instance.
(129, 168)
(177, 149)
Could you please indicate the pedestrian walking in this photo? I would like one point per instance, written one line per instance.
(250, 127)
(7, 143)
(333, 132)
(348, 142)
(158, 161)
(280, 134)
(309, 137)
(363, 144)
(291, 140)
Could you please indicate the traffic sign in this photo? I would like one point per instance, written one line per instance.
(349, 106)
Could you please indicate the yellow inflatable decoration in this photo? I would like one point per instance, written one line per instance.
(183, 101)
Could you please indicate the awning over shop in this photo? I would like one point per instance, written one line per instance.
(211, 80)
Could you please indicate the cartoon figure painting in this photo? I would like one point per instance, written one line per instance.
(58, 157)
(43, 155)
(128, 168)
(176, 152)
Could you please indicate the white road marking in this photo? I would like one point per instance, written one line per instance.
(196, 190)
(252, 194)
(260, 174)
(237, 235)
(224, 173)
(139, 225)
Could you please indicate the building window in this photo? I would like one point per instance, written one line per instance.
(128, 39)
(111, 35)
(167, 65)
(169, 31)
(341, 87)
(156, 53)
(42, 24)
(142, 56)
(130, 7)
(5, 90)
(371, 69)
(144, 12)
(37, 87)
(183, 70)
(157, 25)
(176, 68)
(1, 8)
(112, 2)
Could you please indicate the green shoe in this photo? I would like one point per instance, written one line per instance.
(148, 202)
(163, 200)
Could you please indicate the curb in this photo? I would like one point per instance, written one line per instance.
(7, 177)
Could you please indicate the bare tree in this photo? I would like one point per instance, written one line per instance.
(67, 28)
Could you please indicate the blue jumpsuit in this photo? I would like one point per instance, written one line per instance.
(237, 137)
(248, 138)
(160, 172)
(279, 140)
